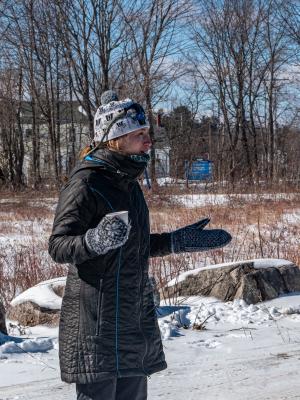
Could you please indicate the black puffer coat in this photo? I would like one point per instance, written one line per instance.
(108, 323)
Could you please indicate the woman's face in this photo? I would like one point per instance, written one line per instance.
(137, 142)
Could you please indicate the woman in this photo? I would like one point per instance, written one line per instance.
(109, 336)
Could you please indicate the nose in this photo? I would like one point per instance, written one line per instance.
(147, 138)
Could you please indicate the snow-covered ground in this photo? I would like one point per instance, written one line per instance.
(245, 352)
(200, 200)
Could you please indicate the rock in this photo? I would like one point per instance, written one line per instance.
(30, 314)
(39, 305)
(2, 319)
(59, 290)
(248, 290)
(291, 277)
(239, 281)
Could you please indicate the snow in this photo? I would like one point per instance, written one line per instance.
(257, 263)
(270, 262)
(236, 312)
(200, 200)
(9, 344)
(292, 217)
(244, 352)
(42, 294)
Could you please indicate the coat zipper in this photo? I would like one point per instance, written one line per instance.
(146, 343)
(117, 311)
(99, 307)
(141, 306)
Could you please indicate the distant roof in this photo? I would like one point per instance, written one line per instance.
(66, 110)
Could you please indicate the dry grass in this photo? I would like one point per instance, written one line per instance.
(259, 228)
(25, 224)
(23, 266)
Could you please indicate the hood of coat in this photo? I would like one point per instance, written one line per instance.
(131, 165)
(123, 168)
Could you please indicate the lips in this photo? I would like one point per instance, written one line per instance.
(147, 145)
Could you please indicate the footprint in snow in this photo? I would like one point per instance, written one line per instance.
(209, 344)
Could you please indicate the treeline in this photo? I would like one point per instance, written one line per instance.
(232, 65)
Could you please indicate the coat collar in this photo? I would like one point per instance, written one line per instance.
(121, 170)
(129, 166)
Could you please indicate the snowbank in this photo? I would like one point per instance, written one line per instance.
(10, 344)
(42, 294)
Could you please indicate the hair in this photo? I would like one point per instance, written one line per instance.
(113, 144)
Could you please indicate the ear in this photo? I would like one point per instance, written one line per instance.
(114, 144)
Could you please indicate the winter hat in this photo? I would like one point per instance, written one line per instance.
(116, 118)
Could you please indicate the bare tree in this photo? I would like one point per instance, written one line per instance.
(240, 48)
(290, 16)
(278, 56)
(152, 29)
(91, 35)
(239, 53)
(11, 94)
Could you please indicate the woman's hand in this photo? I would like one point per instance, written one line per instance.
(109, 234)
(195, 238)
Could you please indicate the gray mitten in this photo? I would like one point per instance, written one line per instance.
(109, 234)
(195, 238)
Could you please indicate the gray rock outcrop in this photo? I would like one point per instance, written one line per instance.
(239, 281)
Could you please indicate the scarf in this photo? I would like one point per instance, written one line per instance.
(131, 165)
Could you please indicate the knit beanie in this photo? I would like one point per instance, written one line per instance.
(116, 118)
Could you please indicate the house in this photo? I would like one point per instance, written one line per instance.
(58, 142)
(70, 134)
(162, 150)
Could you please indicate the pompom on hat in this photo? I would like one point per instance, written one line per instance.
(116, 118)
(108, 96)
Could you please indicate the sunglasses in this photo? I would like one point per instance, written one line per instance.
(136, 113)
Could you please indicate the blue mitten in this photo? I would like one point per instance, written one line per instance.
(109, 234)
(194, 238)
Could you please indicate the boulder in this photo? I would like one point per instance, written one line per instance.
(31, 314)
(2, 319)
(40, 304)
(237, 281)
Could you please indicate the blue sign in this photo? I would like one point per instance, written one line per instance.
(199, 170)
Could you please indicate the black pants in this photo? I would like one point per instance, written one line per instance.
(134, 388)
